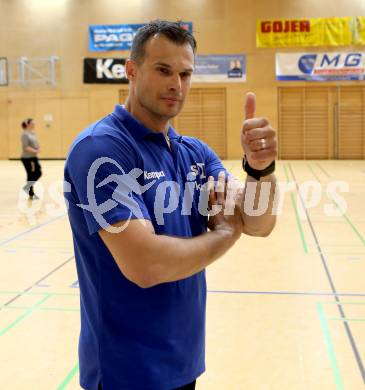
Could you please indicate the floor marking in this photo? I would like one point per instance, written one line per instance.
(320, 167)
(26, 314)
(299, 224)
(11, 239)
(68, 378)
(37, 282)
(329, 345)
(333, 288)
(315, 294)
(347, 319)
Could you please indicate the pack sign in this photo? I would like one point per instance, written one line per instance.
(117, 36)
(104, 71)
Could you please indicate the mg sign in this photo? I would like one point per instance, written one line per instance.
(320, 66)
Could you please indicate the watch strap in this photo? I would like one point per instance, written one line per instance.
(257, 173)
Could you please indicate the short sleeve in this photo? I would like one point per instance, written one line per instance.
(25, 141)
(105, 182)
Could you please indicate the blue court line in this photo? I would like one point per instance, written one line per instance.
(38, 293)
(244, 292)
(343, 303)
(332, 285)
(37, 282)
(339, 253)
(48, 248)
(286, 293)
(347, 319)
(62, 309)
(11, 239)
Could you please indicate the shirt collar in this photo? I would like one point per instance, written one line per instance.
(136, 128)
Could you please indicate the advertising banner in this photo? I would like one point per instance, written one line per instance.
(320, 66)
(360, 31)
(220, 68)
(306, 32)
(104, 71)
(210, 69)
(116, 36)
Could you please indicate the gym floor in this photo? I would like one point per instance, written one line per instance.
(284, 312)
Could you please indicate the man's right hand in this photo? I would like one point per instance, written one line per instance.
(225, 201)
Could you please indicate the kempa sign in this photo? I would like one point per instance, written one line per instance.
(104, 71)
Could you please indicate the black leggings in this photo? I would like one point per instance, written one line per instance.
(34, 172)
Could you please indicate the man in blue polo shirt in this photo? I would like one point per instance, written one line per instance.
(137, 201)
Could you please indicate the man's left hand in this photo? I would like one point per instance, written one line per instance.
(258, 138)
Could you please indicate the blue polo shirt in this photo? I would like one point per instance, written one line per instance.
(135, 338)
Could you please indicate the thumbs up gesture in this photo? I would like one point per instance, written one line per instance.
(258, 138)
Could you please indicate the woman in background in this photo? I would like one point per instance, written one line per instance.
(29, 157)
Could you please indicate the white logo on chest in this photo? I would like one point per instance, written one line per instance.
(153, 175)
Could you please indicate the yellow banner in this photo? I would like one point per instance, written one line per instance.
(360, 30)
(305, 32)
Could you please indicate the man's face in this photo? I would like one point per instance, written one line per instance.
(163, 79)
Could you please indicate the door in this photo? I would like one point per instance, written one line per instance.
(321, 122)
(350, 137)
(305, 123)
(204, 117)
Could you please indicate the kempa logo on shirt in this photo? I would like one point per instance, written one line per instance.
(153, 175)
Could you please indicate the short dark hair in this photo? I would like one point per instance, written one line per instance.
(173, 31)
(26, 123)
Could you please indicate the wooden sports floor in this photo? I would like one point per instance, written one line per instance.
(285, 312)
